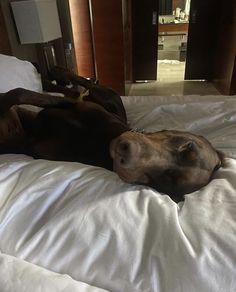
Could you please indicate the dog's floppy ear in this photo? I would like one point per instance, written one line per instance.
(221, 157)
(187, 150)
(186, 146)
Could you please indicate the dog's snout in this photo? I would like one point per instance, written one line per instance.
(124, 152)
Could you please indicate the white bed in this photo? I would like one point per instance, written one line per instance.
(73, 227)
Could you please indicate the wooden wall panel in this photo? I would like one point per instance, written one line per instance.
(81, 29)
(224, 71)
(107, 27)
(4, 40)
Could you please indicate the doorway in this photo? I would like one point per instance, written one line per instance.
(210, 48)
(173, 24)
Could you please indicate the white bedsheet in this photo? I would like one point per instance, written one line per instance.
(19, 275)
(84, 222)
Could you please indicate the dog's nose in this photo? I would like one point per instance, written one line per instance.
(124, 148)
(127, 151)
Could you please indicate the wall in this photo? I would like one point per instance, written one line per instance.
(5, 47)
(33, 53)
(178, 3)
(24, 52)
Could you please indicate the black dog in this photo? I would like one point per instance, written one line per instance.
(94, 131)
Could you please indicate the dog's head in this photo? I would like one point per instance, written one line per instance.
(172, 162)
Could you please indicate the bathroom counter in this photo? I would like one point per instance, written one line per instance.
(173, 27)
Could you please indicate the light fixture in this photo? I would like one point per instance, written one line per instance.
(37, 22)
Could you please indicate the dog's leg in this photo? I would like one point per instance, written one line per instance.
(23, 96)
(102, 95)
(69, 92)
(65, 77)
(14, 122)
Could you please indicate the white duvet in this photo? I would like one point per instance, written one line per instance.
(73, 227)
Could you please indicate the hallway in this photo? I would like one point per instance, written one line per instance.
(173, 88)
(170, 82)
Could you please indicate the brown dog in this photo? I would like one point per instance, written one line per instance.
(94, 131)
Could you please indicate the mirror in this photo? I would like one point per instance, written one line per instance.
(168, 7)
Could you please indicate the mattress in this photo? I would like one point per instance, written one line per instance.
(68, 226)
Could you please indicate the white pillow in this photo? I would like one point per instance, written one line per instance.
(17, 73)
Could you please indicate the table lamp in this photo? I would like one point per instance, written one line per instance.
(37, 22)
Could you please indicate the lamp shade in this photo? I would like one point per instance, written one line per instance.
(37, 21)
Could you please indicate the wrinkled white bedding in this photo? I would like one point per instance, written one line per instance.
(18, 275)
(71, 219)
